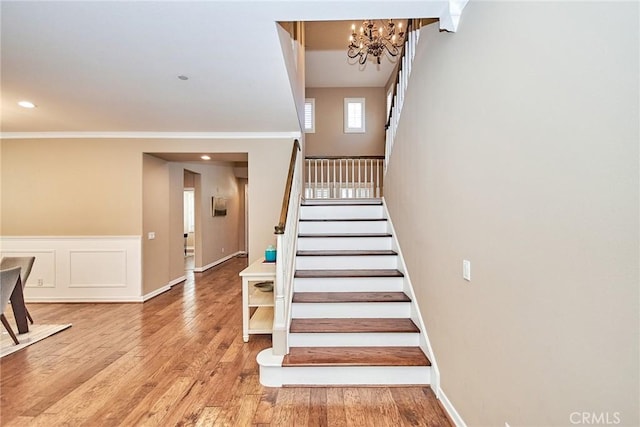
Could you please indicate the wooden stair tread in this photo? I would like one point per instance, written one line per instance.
(333, 297)
(321, 235)
(355, 356)
(352, 325)
(308, 274)
(342, 219)
(346, 252)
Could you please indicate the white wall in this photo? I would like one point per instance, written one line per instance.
(518, 150)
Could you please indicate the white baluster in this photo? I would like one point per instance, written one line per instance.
(378, 179)
(308, 165)
(353, 177)
(366, 181)
(335, 182)
(340, 189)
(315, 178)
(371, 181)
(359, 179)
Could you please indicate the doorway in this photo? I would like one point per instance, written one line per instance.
(189, 216)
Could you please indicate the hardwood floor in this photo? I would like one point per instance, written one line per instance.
(178, 359)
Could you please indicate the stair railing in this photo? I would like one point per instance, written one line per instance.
(286, 233)
(400, 85)
(348, 177)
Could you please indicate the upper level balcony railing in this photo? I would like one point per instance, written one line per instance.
(349, 177)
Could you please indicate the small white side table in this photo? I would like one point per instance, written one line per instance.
(261, 322)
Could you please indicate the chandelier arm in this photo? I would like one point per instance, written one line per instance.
(375, 40)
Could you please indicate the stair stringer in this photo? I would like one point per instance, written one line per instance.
(424, 343)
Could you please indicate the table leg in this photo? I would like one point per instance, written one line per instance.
(19, 309)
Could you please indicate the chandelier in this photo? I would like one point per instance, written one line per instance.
(375, 40)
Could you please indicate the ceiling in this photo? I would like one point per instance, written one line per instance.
(113, 66)
(327, 63)
(236, 158)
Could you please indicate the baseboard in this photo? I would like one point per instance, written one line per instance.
(446, 404)
(155, 293)
(220, 261)
(59, 300)
(176, 281)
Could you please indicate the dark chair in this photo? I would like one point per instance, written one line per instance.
(25, 263)
(9, 279)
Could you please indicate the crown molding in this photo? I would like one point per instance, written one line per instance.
(450, 18)
(149, 135)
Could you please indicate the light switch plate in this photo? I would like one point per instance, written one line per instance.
(152, 235)
(466, 270)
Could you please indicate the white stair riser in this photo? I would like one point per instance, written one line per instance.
(363, 262)
(345, 375)
(344, 243)
(350, 310)
(359, 339)
(374, 201)
(349, 284)
(328, 227)
(336, 212)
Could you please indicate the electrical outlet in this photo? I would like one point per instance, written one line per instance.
(152, 235)
(222, 250)
(40, 282)
(466, 270)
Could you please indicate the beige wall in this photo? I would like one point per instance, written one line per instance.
(219, 234)
(329, 138)
(95, 188)
(156, 209)
(178, 181)
(163, 257)
(66, 187)
(518, 150)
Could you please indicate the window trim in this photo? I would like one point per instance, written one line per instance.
(312, 102)
(359, 129)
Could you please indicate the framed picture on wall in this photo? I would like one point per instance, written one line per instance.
(218, 206)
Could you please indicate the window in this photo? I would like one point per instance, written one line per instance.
(354, 115)
(310, 115)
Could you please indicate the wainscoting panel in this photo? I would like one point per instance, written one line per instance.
(43, 272)
(80, 269)
(98, 269)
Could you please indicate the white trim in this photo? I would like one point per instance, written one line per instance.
(448, 406)
(416, 316)
(347, 128)
(157, 292)
(220, 261)
(56, 267)
(125, 237)
(450, 18)
(81, 300)
(177, 281)
(150, 135)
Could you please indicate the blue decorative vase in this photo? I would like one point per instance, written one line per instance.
(270, 254)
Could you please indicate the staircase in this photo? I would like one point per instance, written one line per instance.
(351, 319)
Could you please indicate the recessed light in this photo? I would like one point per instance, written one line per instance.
(26, 104)
(205, 157)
